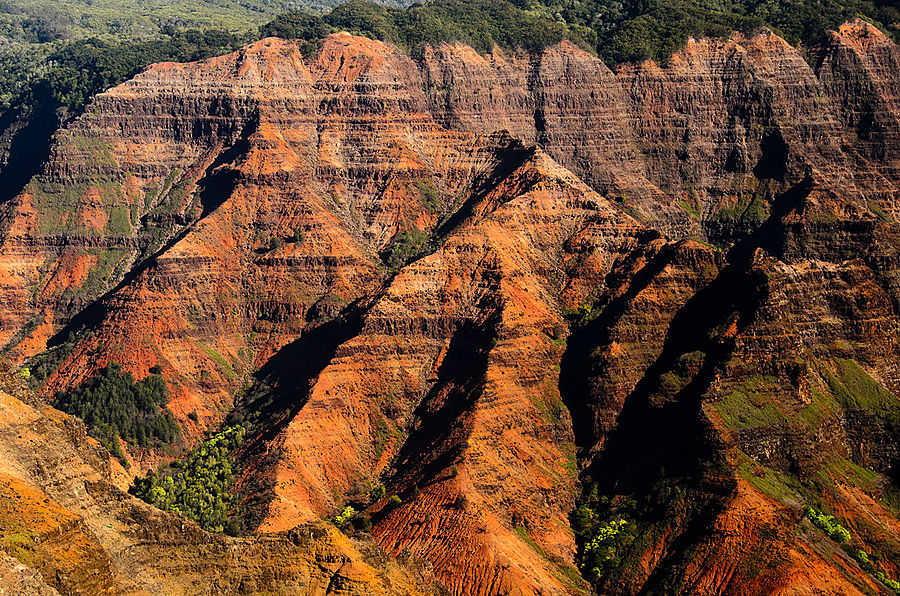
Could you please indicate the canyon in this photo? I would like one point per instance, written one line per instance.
(508, 288)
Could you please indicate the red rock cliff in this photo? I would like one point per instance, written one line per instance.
(471, 317)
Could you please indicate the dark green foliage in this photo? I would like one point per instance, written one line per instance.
(86, 67)
(42, 365)
(309, 29)
(604, 530)
(429, 195)
(296, 25)
(377, 493)
(633, 30)
(198, 488)
(619, 30)
(53, 85)
(406, 245)
(480, 23)
(113, 405)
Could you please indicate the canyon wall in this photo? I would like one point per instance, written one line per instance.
(501, 286)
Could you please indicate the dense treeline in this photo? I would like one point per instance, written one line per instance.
(198, 487)
(42, 21)
(479, 23)
(113, 405)
(41, 95)
(631, 30)
(79, 70)
(619, 30)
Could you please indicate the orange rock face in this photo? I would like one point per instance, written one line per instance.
(490, 284)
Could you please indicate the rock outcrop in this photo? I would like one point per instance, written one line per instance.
(492, 285)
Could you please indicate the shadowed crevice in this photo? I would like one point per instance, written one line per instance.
(443, 418)
(663, 451)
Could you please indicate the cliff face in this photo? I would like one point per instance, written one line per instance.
(703, 145)
(496, 326)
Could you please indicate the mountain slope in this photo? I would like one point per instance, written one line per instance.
(422, 303)
(66, 527)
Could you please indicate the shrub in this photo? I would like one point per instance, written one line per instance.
(199, 490)
(377, 493)
(405, 246)
(828, 524)
(604, 543)
(344, 516)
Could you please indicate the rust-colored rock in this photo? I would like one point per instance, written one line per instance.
(486, 283)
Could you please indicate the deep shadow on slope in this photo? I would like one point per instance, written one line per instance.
(278, 392)
(663, 452)
(29, 148)
(443, 417)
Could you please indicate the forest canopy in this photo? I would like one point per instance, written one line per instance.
(114, 405)
(618, 30)
(198, 486)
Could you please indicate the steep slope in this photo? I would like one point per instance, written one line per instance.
(449, 312)
(264, 214)
(703, 145)
(66, 528)
(460, 352)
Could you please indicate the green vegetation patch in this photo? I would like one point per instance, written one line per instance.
(113, 405)
(220, 360)
(198, 486)
(104, 272)
(766, 480)
(821, 406)
(406, 245)
(429, 196)
(843, 469)
(854, 389)
(603, 542)
(618, 30)
(119, 221)
(751, 404)
(479, 23)
(69, 74)
(830, 525)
